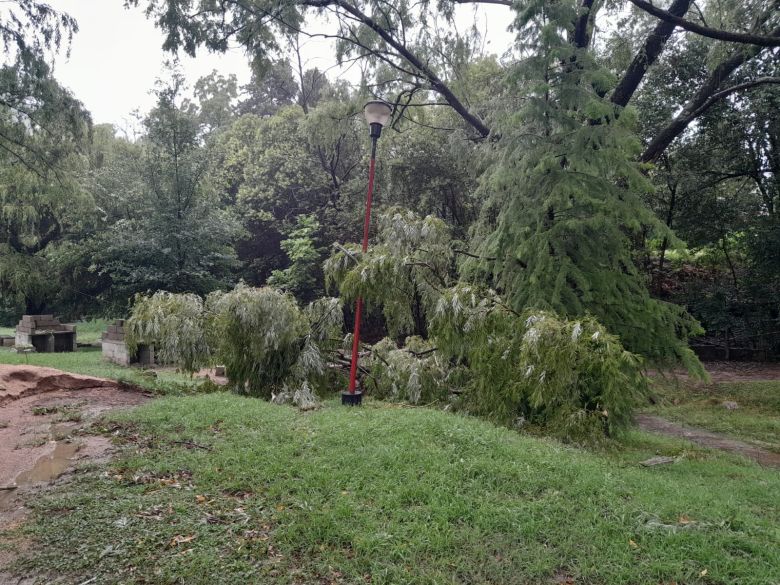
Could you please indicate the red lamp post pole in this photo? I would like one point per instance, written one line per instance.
(366, 226)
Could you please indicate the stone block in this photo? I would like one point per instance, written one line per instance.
(145, 355)
(116, 352)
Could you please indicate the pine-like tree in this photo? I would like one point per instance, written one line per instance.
(566, 208)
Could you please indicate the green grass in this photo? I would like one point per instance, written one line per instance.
(91, 331)
(757, 420)
(7, 331)
(218, 489)
(89, 362)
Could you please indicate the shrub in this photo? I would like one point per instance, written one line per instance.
(265, 341)
(175, 324)
(570, 377)
(414, 373)
(258, 335)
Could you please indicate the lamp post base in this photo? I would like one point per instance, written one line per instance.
(352, 398)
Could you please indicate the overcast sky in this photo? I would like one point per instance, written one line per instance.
(116, 55)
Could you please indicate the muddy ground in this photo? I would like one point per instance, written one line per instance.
(45, 415)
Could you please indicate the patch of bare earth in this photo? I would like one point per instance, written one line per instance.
(720, 373)
(44, 415)
(657, 424)
(724, 372)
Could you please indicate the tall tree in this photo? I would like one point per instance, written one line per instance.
(43, 132)
(176, 237)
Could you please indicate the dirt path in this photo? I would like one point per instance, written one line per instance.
(656, 424)
(44, 417)
(724, 372)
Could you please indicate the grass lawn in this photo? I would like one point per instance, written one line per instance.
(217, 488)
(756, 420)
(89, 362)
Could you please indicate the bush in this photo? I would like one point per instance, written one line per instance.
(265, 341)
(571, 378)
(175, 324)
(258, 334)
(414, 373)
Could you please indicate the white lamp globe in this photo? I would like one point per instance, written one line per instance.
(377, 112)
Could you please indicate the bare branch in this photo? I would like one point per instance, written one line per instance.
(647, 55)
(707, 95)
(713, 33)
(426, 72)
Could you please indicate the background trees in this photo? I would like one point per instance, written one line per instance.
(620, 162)
(175, 235)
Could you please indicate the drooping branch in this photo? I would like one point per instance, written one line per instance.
(701, 100)
(647, 55)
(713, 33)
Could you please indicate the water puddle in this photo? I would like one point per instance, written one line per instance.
(47, 468)
(59, 431)
(50, 467)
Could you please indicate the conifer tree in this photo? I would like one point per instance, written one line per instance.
(566, 197)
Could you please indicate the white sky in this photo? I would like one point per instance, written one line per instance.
(116, 55)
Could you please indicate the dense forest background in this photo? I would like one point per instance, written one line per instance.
(665, 146)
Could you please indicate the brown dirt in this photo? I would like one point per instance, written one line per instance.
(44, 414)
(724, 372)
(656, 424)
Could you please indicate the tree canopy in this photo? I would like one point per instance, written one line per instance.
(619, 162)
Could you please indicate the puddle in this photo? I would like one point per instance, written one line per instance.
(47, 468)
(60, 430)
(6, 496)
(50, 467)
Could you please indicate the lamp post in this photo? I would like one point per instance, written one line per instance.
(377, 115)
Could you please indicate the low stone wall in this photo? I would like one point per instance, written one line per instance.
(115, 349)
(45, 333)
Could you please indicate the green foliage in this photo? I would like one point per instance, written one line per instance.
(173, 234)
(265, 341)
(402, 273)
(259, 335)
(43, 131)
(302, 277)
(175, 324)
(415, 373)
(565, 200)
(572, 378)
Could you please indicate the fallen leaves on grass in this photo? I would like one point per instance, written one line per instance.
(181, 539)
